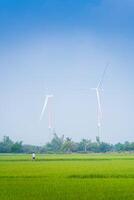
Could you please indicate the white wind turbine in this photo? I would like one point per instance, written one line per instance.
(48, 103)
(99, 109)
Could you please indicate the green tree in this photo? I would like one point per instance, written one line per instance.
(6, 145)
(105, 147)
(55, 145)
(119, 147)
(17, 147)
(57, 142)
(68, 145)
(83, 145)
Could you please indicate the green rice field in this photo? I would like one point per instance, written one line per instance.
(67, 177)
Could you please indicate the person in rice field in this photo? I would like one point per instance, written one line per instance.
(33, 156)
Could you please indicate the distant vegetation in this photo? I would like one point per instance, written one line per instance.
(64, 145)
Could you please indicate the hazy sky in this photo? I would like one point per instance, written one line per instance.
(61, 47)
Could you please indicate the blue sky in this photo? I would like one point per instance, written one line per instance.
(62, 47)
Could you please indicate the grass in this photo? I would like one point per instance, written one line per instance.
(67, 177)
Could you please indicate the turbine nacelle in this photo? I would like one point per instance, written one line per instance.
(50, 96)
(97, 89)
(99, 125)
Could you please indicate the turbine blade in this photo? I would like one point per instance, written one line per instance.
(44, 107)
(93, 88)
(103, 75)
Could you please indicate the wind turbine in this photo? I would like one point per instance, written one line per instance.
(98, 89)
(48, 103)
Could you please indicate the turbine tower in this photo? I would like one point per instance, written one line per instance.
(48, 104)
(99, 109)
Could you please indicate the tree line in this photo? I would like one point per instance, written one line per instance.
(64, 145)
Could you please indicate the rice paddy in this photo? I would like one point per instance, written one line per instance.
(67, 177)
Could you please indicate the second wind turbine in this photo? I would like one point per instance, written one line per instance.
(98, 89)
